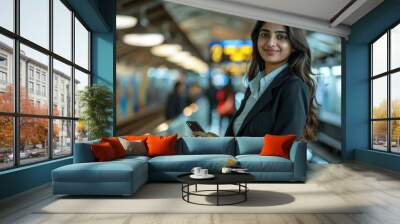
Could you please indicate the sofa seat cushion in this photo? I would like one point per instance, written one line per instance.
(133, 158)
(257, 163)
(185, 163)
(111, 171)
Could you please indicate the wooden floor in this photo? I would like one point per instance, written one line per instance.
(377, 188)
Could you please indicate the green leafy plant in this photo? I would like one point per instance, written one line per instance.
(96, 102)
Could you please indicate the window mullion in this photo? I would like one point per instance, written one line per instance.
(371, 89)
(389, 91)
(389, 106)
(16, 84)
(73, 82)
(50, 81)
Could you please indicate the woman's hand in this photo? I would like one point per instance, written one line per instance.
(204, 134)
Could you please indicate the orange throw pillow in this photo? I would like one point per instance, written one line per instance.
(103, 151)
(161, 145)
(277, 145)
(116, 145)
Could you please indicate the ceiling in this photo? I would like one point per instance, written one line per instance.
(317, 9)
(194, 28)
(203, 26)
(328, 16)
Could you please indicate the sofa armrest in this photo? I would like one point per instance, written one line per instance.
(298, 155)
(83, 152)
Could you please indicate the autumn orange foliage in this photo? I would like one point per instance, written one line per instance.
(33, 130)
(380, 127)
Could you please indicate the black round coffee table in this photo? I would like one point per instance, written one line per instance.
(238, 179)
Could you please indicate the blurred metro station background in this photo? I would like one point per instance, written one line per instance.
(161, 43)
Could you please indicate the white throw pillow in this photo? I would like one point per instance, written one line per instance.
(135, 147)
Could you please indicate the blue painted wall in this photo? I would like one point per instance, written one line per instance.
(356, 84)
(91, 14)
(380, 159)
(99, 15)
(24, 178)
(103, 53)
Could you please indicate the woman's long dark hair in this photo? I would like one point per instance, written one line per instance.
(300, 63)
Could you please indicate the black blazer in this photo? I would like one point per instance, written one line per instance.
(281, 109)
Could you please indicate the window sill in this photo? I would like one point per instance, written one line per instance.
(25, 167)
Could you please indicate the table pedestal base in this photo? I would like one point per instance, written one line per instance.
(241, 191)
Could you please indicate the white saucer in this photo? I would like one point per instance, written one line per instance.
(208, 176)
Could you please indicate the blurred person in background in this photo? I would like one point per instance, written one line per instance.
(211, 94)
(173, 107)
(280, 98)
(226, 103)
(194, 93)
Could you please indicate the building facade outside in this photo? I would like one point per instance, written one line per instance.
(34, 82)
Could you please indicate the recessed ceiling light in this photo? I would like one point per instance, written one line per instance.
(189, 62)
(178, 57)
(124, 22)
(166, 50)
(144, 40)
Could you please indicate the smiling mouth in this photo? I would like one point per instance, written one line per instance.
(271, 51)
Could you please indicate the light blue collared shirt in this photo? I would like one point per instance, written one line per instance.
(257, 87)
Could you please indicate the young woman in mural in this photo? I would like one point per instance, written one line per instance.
(280, 98)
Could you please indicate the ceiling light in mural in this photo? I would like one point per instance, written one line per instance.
(194, 63)
(166, 50)
(144, 40)
(124, 22)
(178, 57)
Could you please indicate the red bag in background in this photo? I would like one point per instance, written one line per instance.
(227, 107)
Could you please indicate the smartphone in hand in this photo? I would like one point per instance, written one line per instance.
(194, 126)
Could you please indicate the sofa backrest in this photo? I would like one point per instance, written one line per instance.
(194, 146)
(253, 145)
(83, 152)
(206, 145)
(249, 145)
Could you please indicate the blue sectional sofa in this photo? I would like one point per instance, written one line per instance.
(125, 176)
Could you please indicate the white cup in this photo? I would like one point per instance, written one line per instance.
(203, 172)
(226, 170)
(196, 171)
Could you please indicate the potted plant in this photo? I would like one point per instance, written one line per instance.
(96, 102)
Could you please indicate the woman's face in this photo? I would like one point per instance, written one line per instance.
(273, 44)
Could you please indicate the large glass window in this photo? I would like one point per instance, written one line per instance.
(35, 21)
(379, 56)
(7, 14)
(47, 80)
(81, 45)
(379, 133)
(33, 141)
(379, 97)
(395, 47)
(62, 29)
(62, 80)
(385, 94)
(6, 74)
(81, 81)
(40, 62)
(62, 137)
(6, 142)
(395, 136)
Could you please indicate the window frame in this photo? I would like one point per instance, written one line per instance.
(388, 74)
(16, 114)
